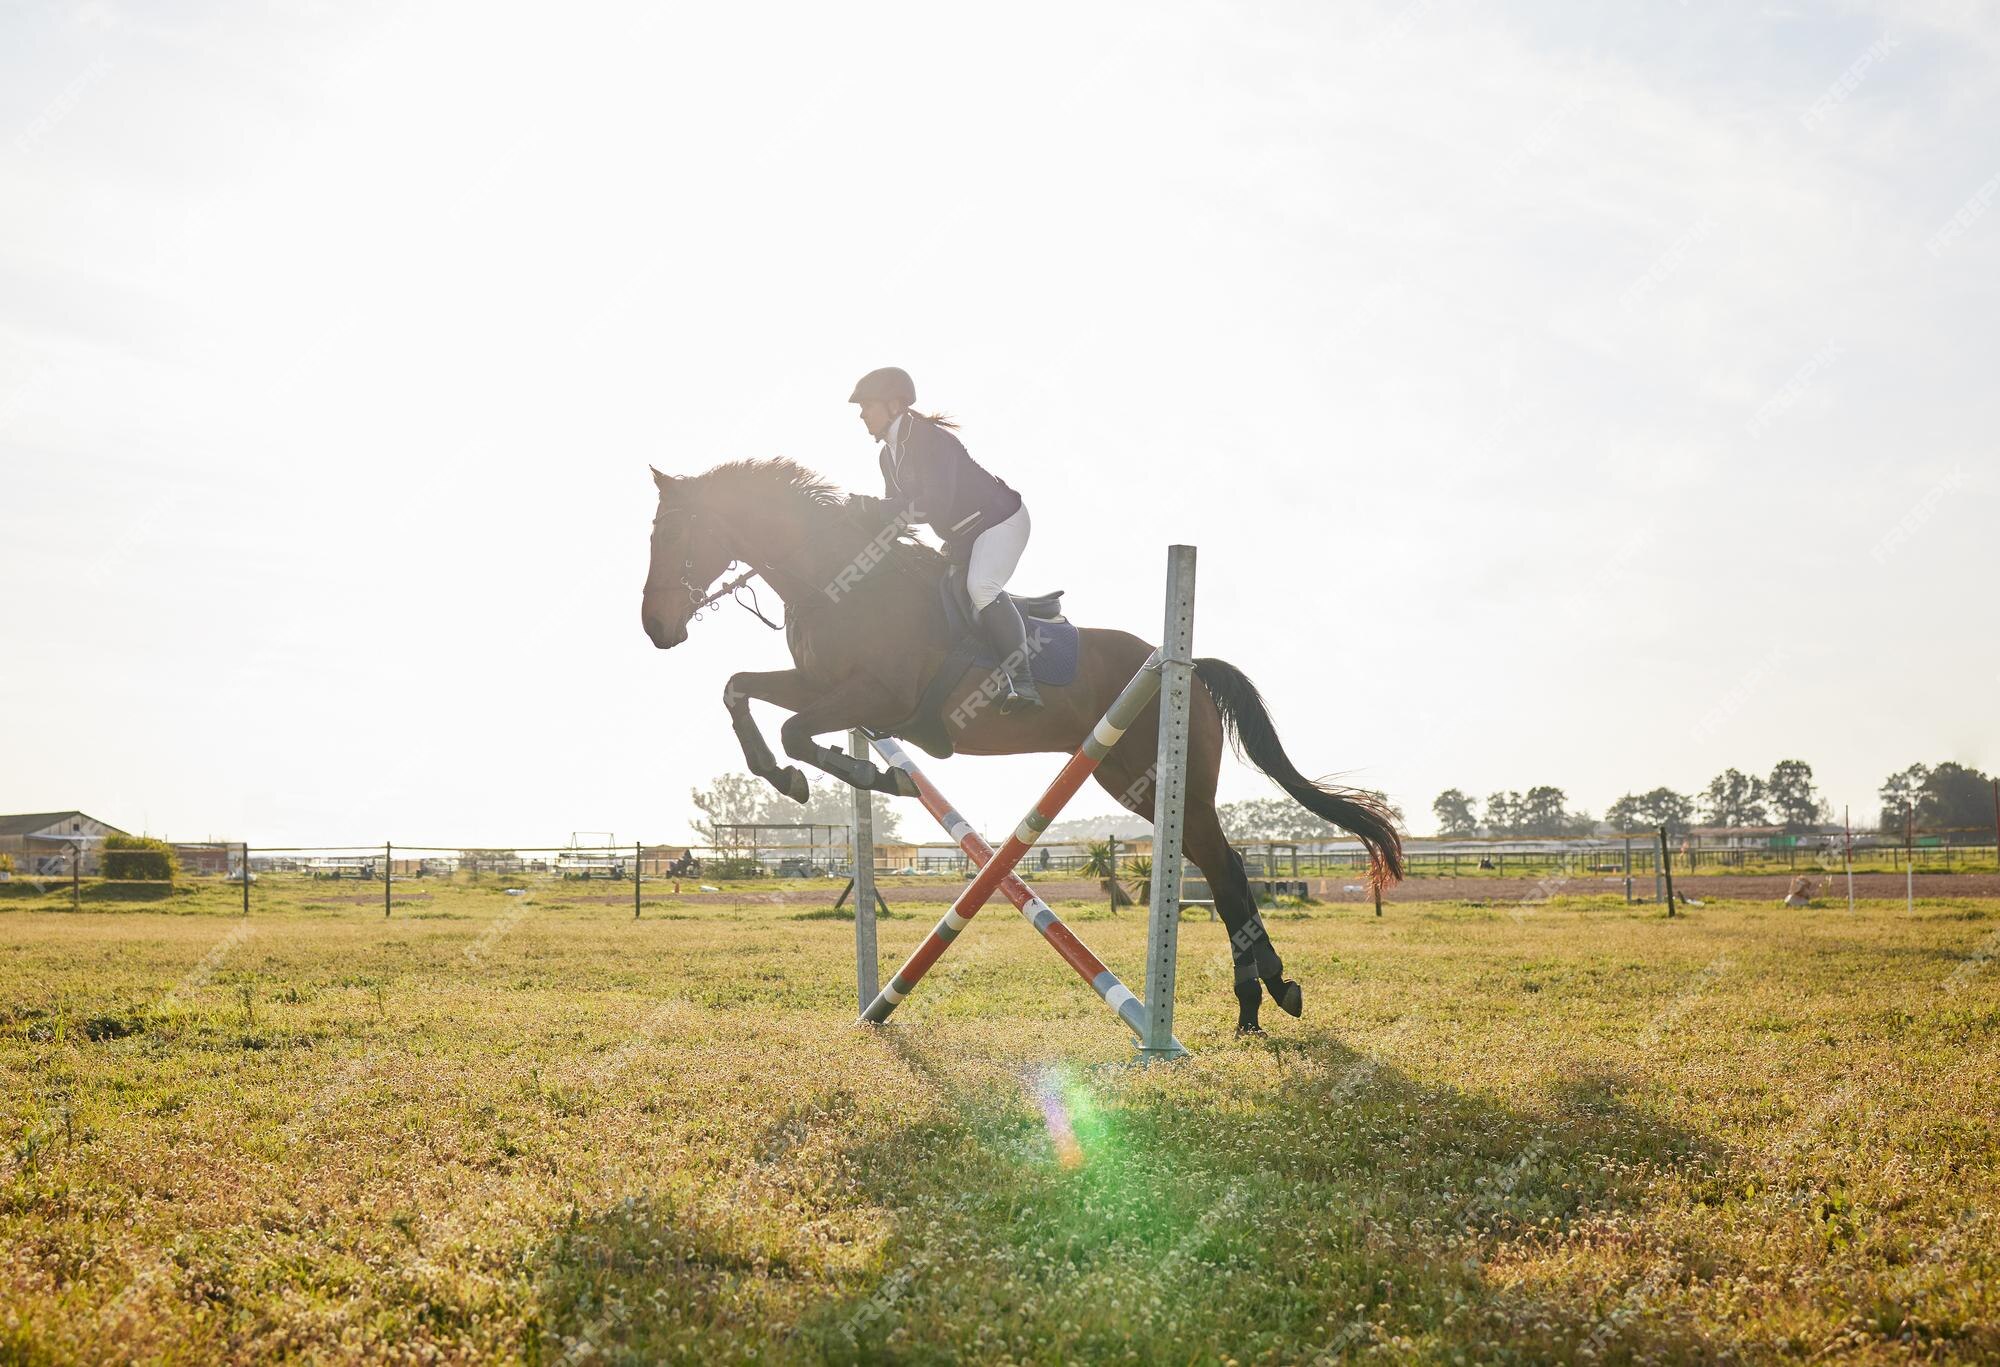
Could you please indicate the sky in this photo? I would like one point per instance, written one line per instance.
(1596, 396)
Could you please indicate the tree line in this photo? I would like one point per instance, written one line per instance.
(1941, 797)
(1946, 796)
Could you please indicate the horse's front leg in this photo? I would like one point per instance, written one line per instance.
(786, 688)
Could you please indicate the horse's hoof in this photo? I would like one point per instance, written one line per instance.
(795, 786)
(1289, 998)
(900, 782)
(1249, 998)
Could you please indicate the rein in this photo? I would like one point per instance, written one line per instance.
(731, 587)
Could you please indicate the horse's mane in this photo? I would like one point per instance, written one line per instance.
(779, 477)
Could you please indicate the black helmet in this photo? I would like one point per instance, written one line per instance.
(887, 383)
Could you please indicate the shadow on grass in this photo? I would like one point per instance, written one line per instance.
(1332, 1207)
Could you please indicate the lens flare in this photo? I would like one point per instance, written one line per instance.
(1060, 1103)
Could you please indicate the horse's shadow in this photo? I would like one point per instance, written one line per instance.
(1315, 1209)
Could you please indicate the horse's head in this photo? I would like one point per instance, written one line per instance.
(689, 553)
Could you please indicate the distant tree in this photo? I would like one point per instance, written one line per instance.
(831, 804)
(740, 800)
(1660, 807)
(1504, 813)
(1956, 798)
(1734, 798)
(1900, 792)
(1792, 795)
(1273, 818)
(1665, 807)
(1543, 811)
(1124, 825)
(1580, 823)
(1457, 815)
(731, 800)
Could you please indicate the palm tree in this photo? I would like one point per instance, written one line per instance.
(1100, 859)
(1139, 869)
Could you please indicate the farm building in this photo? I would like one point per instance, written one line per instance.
(40, 842)
(205, 856)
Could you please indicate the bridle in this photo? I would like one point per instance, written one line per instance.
(732, 587)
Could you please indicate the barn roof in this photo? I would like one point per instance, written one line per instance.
(24, 822)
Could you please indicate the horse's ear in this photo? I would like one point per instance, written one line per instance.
(659, 480)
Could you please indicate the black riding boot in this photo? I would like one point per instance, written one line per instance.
(1001, 622)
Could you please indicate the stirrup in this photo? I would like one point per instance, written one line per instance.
(1018, 701)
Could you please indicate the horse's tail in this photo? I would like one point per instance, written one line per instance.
(1247, 723)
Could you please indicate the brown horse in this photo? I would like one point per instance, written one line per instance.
(866, 636)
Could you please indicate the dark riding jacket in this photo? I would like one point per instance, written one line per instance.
(945, 486)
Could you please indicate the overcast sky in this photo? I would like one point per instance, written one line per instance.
(1597, 396)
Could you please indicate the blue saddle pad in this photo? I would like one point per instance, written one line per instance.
(1052, 644)
(1051, 651)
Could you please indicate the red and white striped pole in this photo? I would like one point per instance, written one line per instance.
(1038, 913)
(1124, 710)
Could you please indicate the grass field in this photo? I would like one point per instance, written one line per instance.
(530, 1128)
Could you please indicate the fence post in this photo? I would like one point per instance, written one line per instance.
(1847, 855)
(636, 852)
(867, 970)
(1628, 870)
(1667, 869)
(388, 858)
(76, 875)
(246, 878)
(1163, 922)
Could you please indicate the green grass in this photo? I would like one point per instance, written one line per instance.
(504, 1128)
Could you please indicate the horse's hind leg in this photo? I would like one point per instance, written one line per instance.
(1255, 961)
(1250, 946)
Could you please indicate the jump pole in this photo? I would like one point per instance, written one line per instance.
(1170, 766)
(1109, 730)
(1037, 913)
(866, 973)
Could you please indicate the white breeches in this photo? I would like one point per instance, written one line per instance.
(995, 553)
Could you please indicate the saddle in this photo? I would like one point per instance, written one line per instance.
(1050, 636)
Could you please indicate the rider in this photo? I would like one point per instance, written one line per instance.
(983, 523)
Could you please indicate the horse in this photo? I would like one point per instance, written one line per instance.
(866, 633)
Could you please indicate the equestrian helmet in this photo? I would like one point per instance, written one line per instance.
(888, 383)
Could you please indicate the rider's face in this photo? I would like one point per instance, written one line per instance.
(876, 415)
